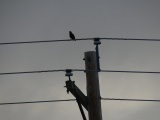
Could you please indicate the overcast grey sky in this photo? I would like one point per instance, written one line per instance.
(34, 20)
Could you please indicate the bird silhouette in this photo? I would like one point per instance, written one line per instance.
(71, 35)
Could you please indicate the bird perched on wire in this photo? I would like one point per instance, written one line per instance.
(71, 35)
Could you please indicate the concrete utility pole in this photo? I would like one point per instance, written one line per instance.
(93, 91)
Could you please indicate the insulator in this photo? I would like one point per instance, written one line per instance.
(68, 72)
(96, 41)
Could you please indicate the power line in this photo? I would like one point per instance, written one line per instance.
(11, 103)
(133, 39)
(48, 101)
(45, 41)
(118, 71)
(42, 71)
(46, 71)
(143, 100)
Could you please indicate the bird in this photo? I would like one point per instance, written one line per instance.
(71, 35)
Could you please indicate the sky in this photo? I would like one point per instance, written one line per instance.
(35, 20)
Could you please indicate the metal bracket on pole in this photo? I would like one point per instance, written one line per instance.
(97, 42)
(80, 97)
(81, 109)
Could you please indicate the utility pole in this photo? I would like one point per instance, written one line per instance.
(91, 102)
(93, 91)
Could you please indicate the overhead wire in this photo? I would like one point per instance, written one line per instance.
(116, 71)
(63, 40)
(65, 100)
(45, 71)
(44, 41)
(121, 71)
(133, 39)
(63, 70)
(26, 72)
(143, 100)
(11, 103)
